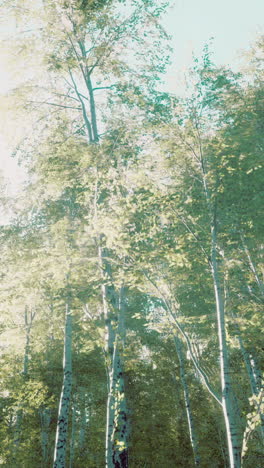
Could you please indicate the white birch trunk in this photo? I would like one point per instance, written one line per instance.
(120, 429)
(73, 430)
(84, 417)
(227, 397)
(117, 424)
(19, 415)
(110, 414)
(64, 406)
(192, 432)
(109, 354)
(253, 378)
(233, 441)
(116, 409)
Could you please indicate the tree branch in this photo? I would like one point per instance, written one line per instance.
(57, 105)
(103, 87)
(167, 308)
(194, 236)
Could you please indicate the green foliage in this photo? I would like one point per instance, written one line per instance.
(134, 193)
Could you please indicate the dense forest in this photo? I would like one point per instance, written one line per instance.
(132, 261)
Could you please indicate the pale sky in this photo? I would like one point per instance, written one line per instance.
(234, 24)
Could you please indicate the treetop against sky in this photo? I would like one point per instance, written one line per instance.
(191, 24)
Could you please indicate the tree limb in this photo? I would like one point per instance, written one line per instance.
(57, 105)
(167, 308)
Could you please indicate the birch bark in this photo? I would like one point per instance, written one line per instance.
(192, 432)
(28, 317)
(63, 414)
(121, 428)
(116, 453)
(73, 431)
(233, 442)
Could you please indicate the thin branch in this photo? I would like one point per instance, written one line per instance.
(78, 58)
(68, 83)
(65, 95)
(167, 308)
(53, 104)
(185, 142)
(87, 312)
(85, 97)
(195, 237)
(251, 265)
(104, 87)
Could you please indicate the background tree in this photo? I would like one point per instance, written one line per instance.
(130, 203)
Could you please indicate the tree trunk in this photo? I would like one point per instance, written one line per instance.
(45, 416)
(117, 424)
(253, 377)
(84, 417)
(64, 406)
(109, 426)
(109, 353)
(73, 427)
(19, 415)
(92, 108)
(192, 432)
(233, 442)
(120, 428)
(116, 453)
(88, 82)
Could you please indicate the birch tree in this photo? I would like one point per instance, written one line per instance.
(130, 223)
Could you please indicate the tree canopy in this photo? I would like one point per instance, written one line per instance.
(132, 263)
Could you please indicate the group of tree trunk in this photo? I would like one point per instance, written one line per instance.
(131, 265)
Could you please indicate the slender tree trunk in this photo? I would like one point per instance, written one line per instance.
(88, 82)
(110, 411)
(192, 432)
(109, 353)
(120, 429)
(92, 107)
(64, 406)
(84, 418)
(29, 317)
(45, 416)
(116, 453)
(252, 375)
(73, 428)
(233, 441)
(26, 354)
(17, 432)
(110, 416)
